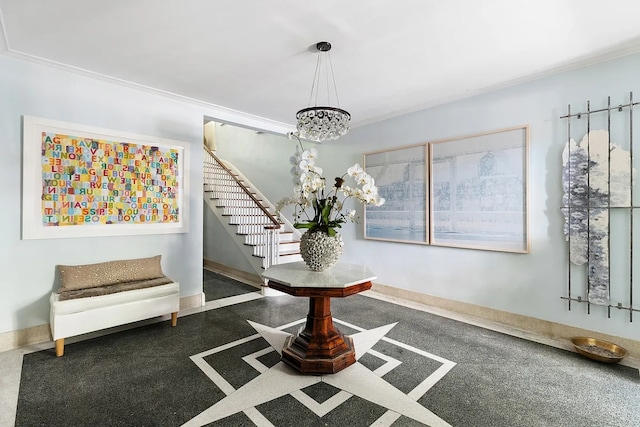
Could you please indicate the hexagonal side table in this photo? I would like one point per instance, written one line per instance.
(319, 348)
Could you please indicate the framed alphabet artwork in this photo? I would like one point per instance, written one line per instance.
(81, 181)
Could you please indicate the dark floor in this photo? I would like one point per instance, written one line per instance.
(216, 286)
(147, 376)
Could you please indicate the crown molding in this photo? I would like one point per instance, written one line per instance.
(628, 48)
(4, 40)
(218, 112)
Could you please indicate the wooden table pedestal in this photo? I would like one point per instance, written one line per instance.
(319, 348)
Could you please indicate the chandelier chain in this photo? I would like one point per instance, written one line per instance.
(316, 82)
(333, 78)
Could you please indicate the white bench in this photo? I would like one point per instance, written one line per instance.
(99, 296)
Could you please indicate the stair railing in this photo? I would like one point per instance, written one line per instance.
(219, 178)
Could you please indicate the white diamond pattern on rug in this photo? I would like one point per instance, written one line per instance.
(357, 379)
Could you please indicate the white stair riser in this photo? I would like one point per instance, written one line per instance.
(289, 247)
(240, 210)
(229, 199)
(258, 239)
(253, 219)
(249, 228)
(283, 248)
(285, 259)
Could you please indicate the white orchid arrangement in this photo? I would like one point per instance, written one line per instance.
(309, 192)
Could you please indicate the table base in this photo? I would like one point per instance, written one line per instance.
(319, 348)
(295, 357)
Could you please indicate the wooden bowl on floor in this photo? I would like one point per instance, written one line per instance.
(602, 351)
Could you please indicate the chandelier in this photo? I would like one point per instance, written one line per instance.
(323, 123)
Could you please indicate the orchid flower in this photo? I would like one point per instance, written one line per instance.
(309, 192)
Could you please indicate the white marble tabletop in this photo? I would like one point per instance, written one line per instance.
(298, 275)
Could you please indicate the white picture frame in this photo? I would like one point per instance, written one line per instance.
(479, 191)
(401, 175)
(84, 181)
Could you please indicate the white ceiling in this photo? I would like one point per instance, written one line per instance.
(257, 57)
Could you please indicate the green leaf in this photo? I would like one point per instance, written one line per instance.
(304, 225)
(326, 211)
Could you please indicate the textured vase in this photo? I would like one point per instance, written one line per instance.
(319, 250)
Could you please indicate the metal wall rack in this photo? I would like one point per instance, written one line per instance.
(613, 121)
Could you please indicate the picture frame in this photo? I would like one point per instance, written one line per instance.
(479, 191)
(83, 181)
(401, 175)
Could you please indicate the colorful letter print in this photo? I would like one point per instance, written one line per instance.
(88, 181)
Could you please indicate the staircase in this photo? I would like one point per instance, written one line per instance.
(264, 238)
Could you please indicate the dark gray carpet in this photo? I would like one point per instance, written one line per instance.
(144, 376)
(216, 286)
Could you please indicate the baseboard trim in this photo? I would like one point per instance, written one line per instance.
(519, 325)
(42, 333)
(234, 273)
(23, 337)
(510, 323)
(192, 301)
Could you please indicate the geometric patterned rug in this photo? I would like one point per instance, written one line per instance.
(221, 367)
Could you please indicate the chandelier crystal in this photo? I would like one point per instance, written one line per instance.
(323, 123)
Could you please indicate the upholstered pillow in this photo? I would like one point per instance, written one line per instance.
(74, 277)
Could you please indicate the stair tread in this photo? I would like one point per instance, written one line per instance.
(293, 242)
(259, 215)
(280, 255)
(225, 206)
(246, 234)
(260, 234)
(250, 223)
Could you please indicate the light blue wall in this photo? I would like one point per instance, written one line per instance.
(28, 266)
(262, 157)
(214, 233)
(528, 284)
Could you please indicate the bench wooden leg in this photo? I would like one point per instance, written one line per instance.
(60, 347)
(174, 318)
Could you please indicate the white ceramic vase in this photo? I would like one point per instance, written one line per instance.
(319, 250)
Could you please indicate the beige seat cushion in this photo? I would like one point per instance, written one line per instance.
(111, 289)
(61, 308)
(75, 277)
